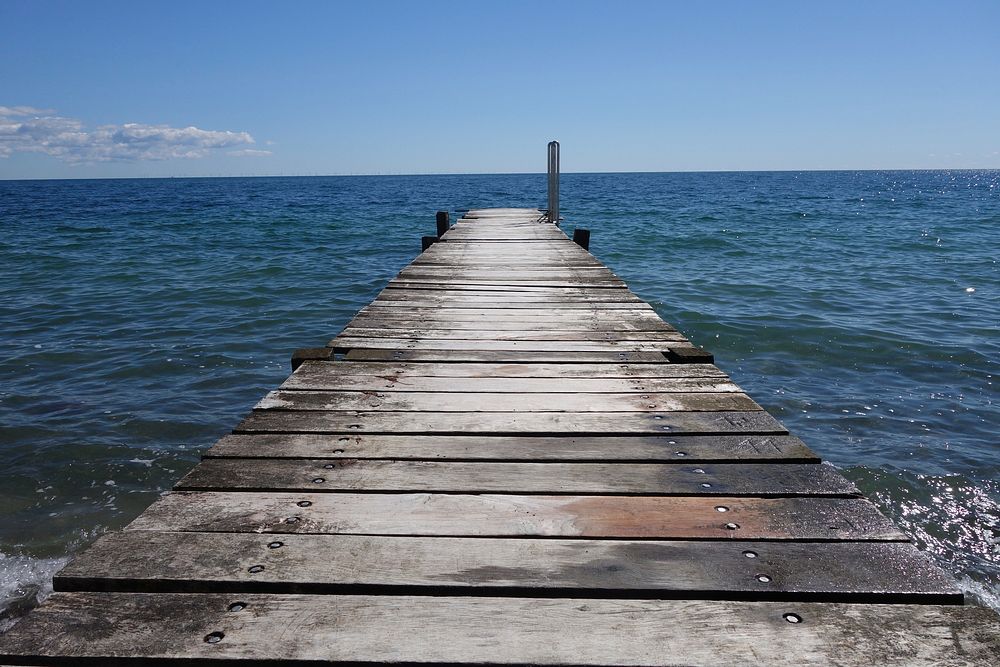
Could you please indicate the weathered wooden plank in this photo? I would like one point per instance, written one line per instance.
(493, 324)
(318, 371)
(144, 561)
(467, 270)
(569, 309)
(599, 311)
(502, 276)
(483, 402)
(489, 260)
(350, 342)
(687, 448)
(723, 479)
(567, 283)
(504, 515)
(447, 294)
(506, 356)
(360, 629)
(464, 290)
(513, 423)
(641, 386)
(524, 334)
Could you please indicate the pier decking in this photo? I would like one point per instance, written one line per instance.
(507, 458)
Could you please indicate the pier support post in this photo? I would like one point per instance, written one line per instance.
(582, 238)
(426, 242)
(553, 182)
(443, 223)
(310, 354)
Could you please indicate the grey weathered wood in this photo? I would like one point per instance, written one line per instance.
(505, 356)
(143, 561)
(504, 324)
(724, 479)
(641, 386)
(524, 334)
(511, 423)
(310, 354)
(318, 371)
(446, 295)
(505, 515)
(509, 631)
(482, 402)
(649, 448)
(621, 308)
(352, 342)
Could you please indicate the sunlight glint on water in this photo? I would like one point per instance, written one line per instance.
(142, 319)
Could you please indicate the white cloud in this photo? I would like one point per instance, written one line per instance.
(249, 152)
(31, 130)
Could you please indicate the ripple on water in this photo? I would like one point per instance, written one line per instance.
(142, 319)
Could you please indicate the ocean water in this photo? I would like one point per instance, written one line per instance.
(141, 319)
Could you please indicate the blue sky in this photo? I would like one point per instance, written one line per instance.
(178, 88)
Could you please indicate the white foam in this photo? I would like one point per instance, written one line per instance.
(984, 594)
(24, 582)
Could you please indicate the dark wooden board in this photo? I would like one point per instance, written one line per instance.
(507, 423)
(144, 561)
(722, 479)
(422, 401)
(678, 448)
(506, 515)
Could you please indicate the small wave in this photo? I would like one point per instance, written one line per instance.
(24, 583)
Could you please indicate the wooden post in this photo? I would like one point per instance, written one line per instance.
(443, 223)
(582, 238)
(427, 241)
(310, 354)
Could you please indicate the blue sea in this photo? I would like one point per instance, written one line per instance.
(141, 319)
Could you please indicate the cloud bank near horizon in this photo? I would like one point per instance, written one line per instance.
(28, 129)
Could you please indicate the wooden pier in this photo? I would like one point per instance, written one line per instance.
(507, 458)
